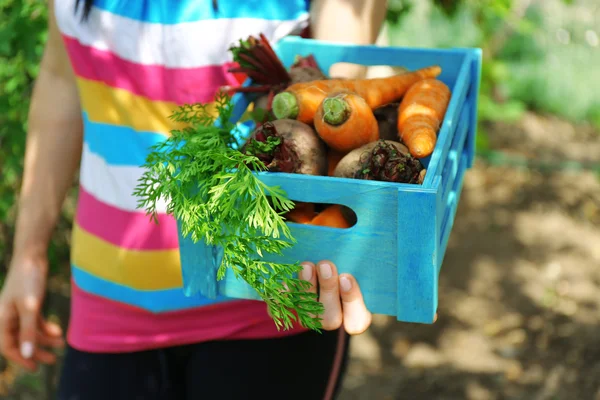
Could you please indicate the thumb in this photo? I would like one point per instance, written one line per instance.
(28, 317)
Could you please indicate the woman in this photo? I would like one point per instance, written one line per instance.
(111, 72)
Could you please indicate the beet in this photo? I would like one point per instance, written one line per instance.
(306, 74)
(383, 160)
(288, 145)
(306, 69)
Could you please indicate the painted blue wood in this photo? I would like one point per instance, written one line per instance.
(417, 278)
(452, 204)
(474, 99)
(450, 123)
(450, 170)
(397, 247)
(448, 173)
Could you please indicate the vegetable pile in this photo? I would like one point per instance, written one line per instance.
(305, 123)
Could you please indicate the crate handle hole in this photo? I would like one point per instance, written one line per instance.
(323, 214)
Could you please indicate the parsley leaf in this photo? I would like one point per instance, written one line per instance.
(215, 193)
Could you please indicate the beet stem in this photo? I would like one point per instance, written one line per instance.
(249, 89)
(260, 68)
(256, 76)
(272, 64)
(266, 63)
(274, 56)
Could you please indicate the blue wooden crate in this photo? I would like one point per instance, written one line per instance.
(396, 248)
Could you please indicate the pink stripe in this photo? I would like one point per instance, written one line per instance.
(101, 325)
(126, 229)
(155, 82)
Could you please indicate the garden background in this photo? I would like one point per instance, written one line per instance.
(519, 293)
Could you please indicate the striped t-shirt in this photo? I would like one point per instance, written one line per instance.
(135, 61)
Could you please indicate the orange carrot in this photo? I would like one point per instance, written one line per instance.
(301, 100)
(331, 216)
(420, 115)
(300, 105)
(302, 213)
(344, 121)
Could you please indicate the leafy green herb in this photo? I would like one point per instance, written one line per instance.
(256, 146)
(215, 193)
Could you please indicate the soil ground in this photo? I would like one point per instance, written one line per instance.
(519, 297)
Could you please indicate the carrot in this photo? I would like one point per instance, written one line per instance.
(300, 105)
(422, 176)
(344, 121)
(420, 115)
(302, 213)
(301, 100)
(331, 216)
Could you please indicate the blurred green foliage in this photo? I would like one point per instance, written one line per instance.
(22, 35)
(538, 55)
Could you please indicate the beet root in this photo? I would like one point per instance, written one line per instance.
(306, 69)
(382, 160)
(350, 163)
(288, 145)
(306, 74)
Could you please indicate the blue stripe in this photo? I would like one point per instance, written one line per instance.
(124, 146)
(178, 11)
(119, 145)
(155, 301)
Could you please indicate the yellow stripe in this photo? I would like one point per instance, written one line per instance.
(108, 105)
(142, 270)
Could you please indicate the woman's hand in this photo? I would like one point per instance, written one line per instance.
(23, 331)
(340, 295)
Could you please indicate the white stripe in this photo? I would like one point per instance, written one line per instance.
(112, 185)
(184, 45)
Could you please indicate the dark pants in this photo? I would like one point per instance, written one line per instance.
(304, 366)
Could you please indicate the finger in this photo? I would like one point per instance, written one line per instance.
(329, 295)
(305, 274)
(28, 318)
(49, 333)
(49, 328)
(13, 354)
(308, 274)
(9, 343)
(49, 341)
(357, 318)
(44, 356)
(9, 347)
